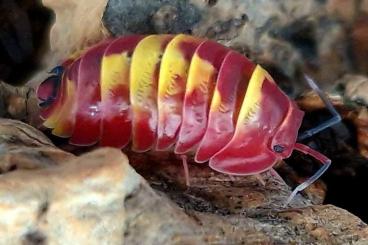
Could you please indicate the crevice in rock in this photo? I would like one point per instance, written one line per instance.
(34, 238)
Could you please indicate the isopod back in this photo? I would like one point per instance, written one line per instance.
(177, 93)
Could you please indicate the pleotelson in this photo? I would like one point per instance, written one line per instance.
(171, 92)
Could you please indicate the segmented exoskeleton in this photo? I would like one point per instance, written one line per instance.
(175, 92)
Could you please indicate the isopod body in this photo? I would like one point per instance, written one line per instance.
(173, 92)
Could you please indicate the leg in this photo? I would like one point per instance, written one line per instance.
(260, 179)
(336, 118)
(186, 169)
(277, 176)
(231, 177)
(318, 156)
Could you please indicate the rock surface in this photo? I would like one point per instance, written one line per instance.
(23, 147)
(97, 198)
(19, 103)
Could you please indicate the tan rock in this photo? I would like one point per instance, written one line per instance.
(318, 222)
(23, 147)
(356, 88)
(344, 9)
(60, 205)
(19, 103)
(364, 6)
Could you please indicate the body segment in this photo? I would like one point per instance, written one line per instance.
(116, 124)
(144, 74)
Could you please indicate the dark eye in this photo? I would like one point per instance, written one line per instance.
(58, 70)
(278, 148)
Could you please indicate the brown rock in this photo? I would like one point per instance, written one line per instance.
(361, 122)
(364, 6)
(344, 9)
(309, 220)
(359, 37)
(78, 203)
(211, 191)
(23, 147)
(356, 88)
(19, 103)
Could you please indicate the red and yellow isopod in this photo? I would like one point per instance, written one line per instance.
(175, 92)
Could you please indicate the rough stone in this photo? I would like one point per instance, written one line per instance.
(23, 147)
(103, 201)
(356, 88)
(85, 197)
(19, 103)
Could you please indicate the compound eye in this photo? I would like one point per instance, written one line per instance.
(58, 70)
(278, 148)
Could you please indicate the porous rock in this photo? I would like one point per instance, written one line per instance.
(24, 147)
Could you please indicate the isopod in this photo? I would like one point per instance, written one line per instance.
(178, 93)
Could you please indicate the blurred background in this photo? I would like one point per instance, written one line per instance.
(24, 26)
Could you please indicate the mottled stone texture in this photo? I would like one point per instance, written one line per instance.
(155, 16)
(19, 103)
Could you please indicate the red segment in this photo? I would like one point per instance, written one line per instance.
(144, 74)
(232, 83)
(287, 133)
(116, 119)
(145, 121)
(249, 150)
(197, 101)
(167, 131)
(168, 128)
(245, 155)
(87, 128)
